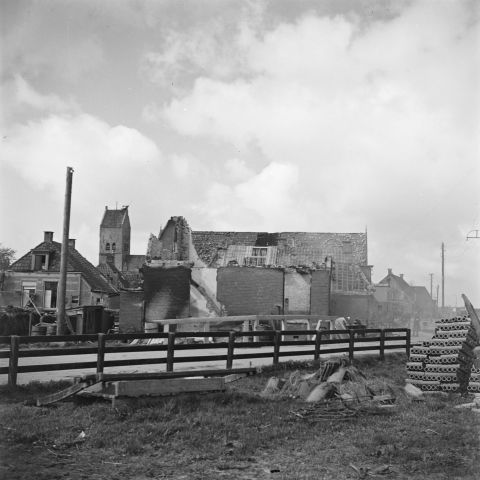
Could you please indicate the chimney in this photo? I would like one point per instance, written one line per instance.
(71, 243)
(48, 236)
(389, 271)
(401, 276)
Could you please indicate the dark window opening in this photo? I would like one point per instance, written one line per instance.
(113, 247)
(50, 294)
(107, 247)
(41, 262)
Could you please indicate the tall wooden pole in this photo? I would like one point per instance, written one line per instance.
(443, 274)
(62, 287)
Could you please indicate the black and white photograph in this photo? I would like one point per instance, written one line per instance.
(239, 239)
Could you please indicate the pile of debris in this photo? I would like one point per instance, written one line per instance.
(336, 390)
(445, 363)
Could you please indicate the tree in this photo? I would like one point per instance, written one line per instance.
(7, 256)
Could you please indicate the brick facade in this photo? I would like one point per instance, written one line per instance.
(320, 292)
(363, 307)
(250, 290)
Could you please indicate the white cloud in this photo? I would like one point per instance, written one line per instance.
(260, 202)
(237, 169)
(380, 123)
(111, 163)
(26, 95)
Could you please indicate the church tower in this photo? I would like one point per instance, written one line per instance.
(115, 238)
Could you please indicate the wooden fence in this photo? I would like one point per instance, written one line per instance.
(228, 348)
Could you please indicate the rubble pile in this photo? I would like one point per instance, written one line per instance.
(336, 390)
(444, 363)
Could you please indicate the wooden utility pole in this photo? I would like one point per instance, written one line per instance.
(443, 274)
(62, 287)
(431, 285)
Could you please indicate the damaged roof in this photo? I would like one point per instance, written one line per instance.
(293, 248)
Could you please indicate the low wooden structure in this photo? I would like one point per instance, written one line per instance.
(228, 350)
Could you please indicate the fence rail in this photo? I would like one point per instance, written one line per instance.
(321, 341)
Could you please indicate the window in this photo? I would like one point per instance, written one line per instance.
(75, 300)
(40, 261)
(258, 257)
(107, 247)
(28, 293)
(50, 300)
(347, 247)
(113, 247)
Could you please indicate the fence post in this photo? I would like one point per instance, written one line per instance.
(408, 342)
(351, 344)
(100, 352)
(382, 344)
(318, 342)
(13, 361)
(231, 346)
(170, 351)
(276, 346)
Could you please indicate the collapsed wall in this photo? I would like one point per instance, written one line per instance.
(445, 362)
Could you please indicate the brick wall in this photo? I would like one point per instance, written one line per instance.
(363, 307)
(167, 292)
(249, 290)
(319, 292)
(297, 291)
(131, 311)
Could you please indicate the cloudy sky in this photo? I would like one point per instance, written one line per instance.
(326, 115)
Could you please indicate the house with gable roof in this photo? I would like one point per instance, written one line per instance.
(397, 300)
(32, 281)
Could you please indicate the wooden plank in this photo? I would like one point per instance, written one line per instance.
(101, 353)
(62, 394)
(237, 318)
(351, 344)
(230, 350)
(382, 345)
(109, 377)
(13, 360)
(170, 351)
(276, 347)
(318, 343)
(138, 388)
(233, 377)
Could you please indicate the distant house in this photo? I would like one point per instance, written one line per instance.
(32, 281)
(399, 300)
(425, 306)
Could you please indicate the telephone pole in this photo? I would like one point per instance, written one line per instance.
(443, 274)
(62, 286)
(431, 285)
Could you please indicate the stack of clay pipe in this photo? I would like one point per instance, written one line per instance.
(444, 363)
(474, 382)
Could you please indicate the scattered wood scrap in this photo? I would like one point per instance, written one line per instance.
(63, 394)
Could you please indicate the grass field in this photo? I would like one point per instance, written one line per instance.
(236, 435)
